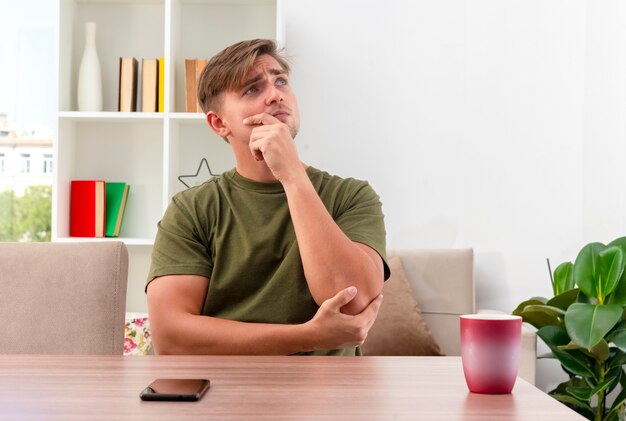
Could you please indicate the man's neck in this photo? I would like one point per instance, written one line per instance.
(258, 171)
(255, 171)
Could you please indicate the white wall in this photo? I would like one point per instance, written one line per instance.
(497, 125)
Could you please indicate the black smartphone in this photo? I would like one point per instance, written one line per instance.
(175, 390)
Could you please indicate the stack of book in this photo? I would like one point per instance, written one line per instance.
(152, 84)
(97, 208)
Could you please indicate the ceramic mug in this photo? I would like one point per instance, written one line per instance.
(490, 351)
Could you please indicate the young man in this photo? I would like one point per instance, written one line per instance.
(274, 256)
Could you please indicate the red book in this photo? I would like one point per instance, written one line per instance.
(87, 208)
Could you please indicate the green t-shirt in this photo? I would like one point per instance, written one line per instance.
(238, 233)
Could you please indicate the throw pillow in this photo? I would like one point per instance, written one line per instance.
(399, 328)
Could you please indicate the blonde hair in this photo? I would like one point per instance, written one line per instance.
(228, 68)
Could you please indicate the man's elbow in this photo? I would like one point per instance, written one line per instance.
(164, 345)
(169, 340)
(164, 349)
(366, 293)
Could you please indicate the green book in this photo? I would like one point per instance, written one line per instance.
(116, 196)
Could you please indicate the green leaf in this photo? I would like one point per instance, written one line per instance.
(619, 294)
(533, 312)
(585, 393)
(617, 403)
(617, 359)
(586, 268)
(581, 393)
(554, 336)
(560, 393)
(611, 262)
(564, 300)
(600, 352)
(540, 319)
(531, 301)
(563, 278)
(618, 337)
(579, 406)
(587, 324)
(574, 362)
(549, 310)
(615, 375)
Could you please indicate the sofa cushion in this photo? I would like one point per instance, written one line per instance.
(399, 328)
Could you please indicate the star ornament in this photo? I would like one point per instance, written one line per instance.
(203, 174)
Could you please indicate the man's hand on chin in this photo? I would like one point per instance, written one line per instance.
(271, 141)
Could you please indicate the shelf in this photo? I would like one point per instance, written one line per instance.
(111, 116)
(149, 151)
(126, 240)
(126, 117)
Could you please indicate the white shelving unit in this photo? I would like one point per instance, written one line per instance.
(147, 150)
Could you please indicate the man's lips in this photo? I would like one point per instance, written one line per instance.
(281, 115)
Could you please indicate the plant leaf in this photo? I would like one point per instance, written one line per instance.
(586, 268)
(619, 295)
(619, 400)
(618, 337)
(617, 359)
(550, 310)
(615, 375)
(554, 336)
(587, 324)
(581, 393)
(600, 352)
(564, 300)
(611, 261)
(539, 315)
(579, 406)
(574, 362)
(540, 319)
(560, 393)
(585, 393)
(563, 278)
(531, 301)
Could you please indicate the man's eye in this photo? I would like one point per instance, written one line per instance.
(250, 91)
(281, 82)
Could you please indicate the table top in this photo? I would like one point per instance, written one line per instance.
(252, 387)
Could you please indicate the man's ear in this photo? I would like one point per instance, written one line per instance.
(217, 124)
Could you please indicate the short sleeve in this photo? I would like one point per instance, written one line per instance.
(361, 219)
(180, 246)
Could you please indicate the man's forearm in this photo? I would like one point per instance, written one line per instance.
(194, 334)
(331, 260)
(178, 328)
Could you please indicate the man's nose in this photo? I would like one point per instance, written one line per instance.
(273, 95)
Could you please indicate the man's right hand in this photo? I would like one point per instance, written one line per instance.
(332, 329)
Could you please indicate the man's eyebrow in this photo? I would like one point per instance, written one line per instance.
(255, 79)
(277, 72)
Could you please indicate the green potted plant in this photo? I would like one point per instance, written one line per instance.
(584, 325)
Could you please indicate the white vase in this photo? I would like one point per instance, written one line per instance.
(89, 76)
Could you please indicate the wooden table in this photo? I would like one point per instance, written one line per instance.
(337, 388)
